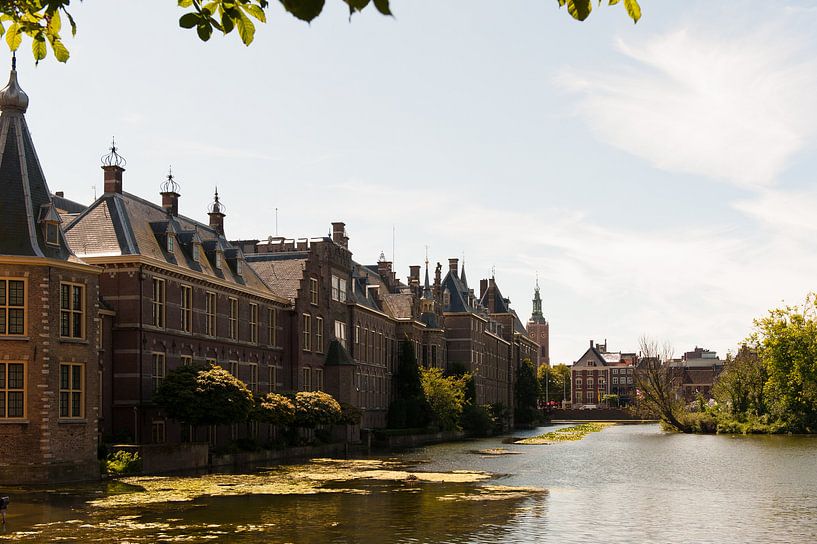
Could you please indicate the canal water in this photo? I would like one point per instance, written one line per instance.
(625, 484)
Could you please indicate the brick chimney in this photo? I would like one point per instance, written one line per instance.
(216, 212)
(339, 234)
(414, 275)
(483, 286)
(453, 267)
(170, 195)
(113, 164)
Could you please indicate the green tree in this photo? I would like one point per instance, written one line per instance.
(657, 390)
(786, 343)
(41, 20)
(554, 382)
(445, 396)
(741, 384)
(316, 408)
(408, 408)
(198, 395)
(275, 409)
(526, 394)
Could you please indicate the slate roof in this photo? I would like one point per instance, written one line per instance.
(282, 273)
(501, 304)
(399, 305)
(124, 224)
(459, 293)
(26, 200)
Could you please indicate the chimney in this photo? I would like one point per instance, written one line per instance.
(113, 164)
(339, 234)
(384, 269)
(60, 194)
(483, 286)
(170, 195)
(216, 212)
(414, 275)
(453, 266)
(591, 344)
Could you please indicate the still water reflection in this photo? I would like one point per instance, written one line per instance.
(624, 484)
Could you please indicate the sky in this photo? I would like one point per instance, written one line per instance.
(658, 177)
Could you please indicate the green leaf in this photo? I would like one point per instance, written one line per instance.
(246, 28)
(14, 37)
(204, 30)
(189, 20)
(60, 51)
(39, 48)
(633, 9)
(383, 6)
(579, 9)
(227, 23)
(613, 2)
(54, 24)
(185, 3)
(71, 22)
(305, 10)
(357, 5)
(256, 12)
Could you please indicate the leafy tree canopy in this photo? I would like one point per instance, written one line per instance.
(198, 395)
(446, 396)
(526, 393)
(314, 408)
(275, 409)
(41, 20)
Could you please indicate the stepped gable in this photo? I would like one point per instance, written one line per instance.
(26, 206)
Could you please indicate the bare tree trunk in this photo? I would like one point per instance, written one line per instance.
(654, 380)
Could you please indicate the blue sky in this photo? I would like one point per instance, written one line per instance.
(659, 177)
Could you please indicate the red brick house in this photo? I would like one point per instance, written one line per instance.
(599, 372)
(49, 306)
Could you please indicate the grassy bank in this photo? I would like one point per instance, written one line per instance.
(566, 434)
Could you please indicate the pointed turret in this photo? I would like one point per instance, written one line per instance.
(537, 304)
(463, 279)
(25, 206)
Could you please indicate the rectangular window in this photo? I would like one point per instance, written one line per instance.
(159, 370)
(253, 383)
(12, 390)
(306, 384)
(12, 307)
(72, 398)
(187, 308)
(313, 290)
(433, 355)
(307, 332)
(272, 324)
(254, 323)
(340, 332)
(187, 360)
(157, 432)
(233, 320)
(273, 379)
(338, 289)
(319, 334)
(615, 380)
(318, 379)
(72, 310)
(171, 246)
(158, 302)
(380, 348)
(210, 310)
(342, 290)
(234, 369)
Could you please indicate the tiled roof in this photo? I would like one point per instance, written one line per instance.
(283, 276)
(124, 224)
(398, 305)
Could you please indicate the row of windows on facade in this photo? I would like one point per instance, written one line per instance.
(210, 310)
(13, 309)
(623, 380)
(159, 371)
(338, 290)
(14, 386)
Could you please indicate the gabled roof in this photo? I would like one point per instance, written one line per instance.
(493, 300)
(459, 295)
(282, 273)
(119, 224)
(25, 204)
(399, 305)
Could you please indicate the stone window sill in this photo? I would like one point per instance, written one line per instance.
(12, 337)
(71, 421)
(12, 421)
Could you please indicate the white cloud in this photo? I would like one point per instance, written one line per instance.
(693, 102)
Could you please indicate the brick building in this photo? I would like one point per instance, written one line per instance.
(599, 372)
(695, 373)
(182, 294)
(539, 329)
(49, 310)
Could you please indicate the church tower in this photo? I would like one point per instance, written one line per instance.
(539, 328)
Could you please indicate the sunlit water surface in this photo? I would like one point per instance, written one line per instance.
(629, 483)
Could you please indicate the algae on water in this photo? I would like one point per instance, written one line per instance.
(566, 434)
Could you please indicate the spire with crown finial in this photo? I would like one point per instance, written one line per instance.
(216, 211)
(537, 302)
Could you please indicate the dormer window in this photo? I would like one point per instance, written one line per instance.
(171, 243)
(52, 233)
(196, 252)
(238, 267)
(218, 260)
